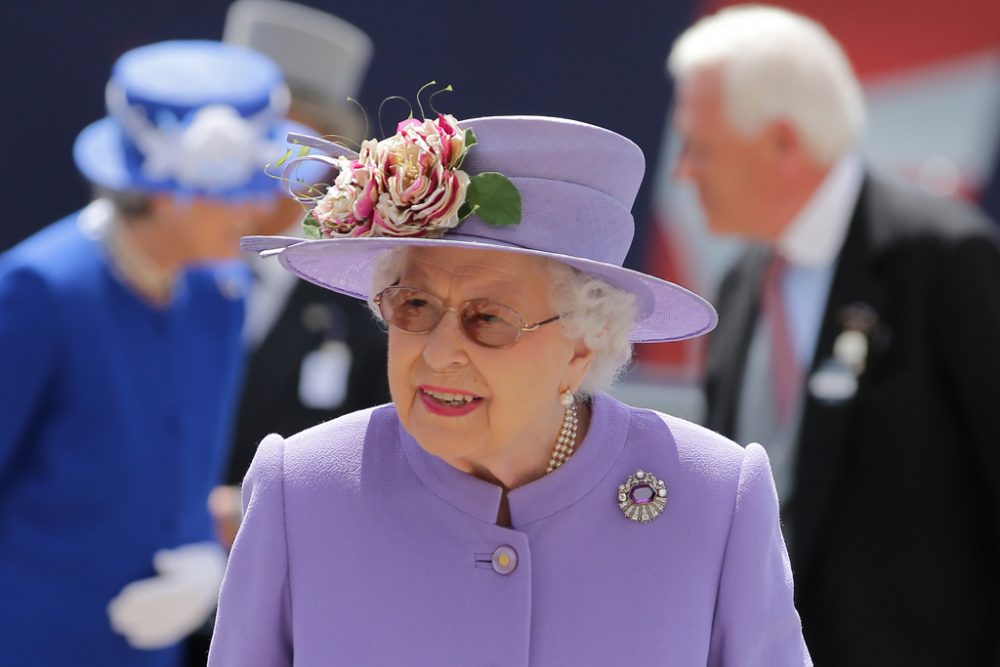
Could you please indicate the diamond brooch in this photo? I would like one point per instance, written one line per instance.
(642, 497)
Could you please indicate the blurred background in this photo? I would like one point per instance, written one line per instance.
(931, 72)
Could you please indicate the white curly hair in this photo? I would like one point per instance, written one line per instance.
(590, 310)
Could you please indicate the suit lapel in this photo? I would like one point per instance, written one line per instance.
(286, 332)
(739, 300)
(826, 427)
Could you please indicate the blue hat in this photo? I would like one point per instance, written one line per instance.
(189, 117)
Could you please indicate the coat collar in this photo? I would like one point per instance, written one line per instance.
(572, 481)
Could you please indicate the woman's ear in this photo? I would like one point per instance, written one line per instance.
(578, 366)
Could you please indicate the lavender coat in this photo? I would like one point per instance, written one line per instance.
(359, 548)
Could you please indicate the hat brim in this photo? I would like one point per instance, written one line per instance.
(667, 312)
(99, 153)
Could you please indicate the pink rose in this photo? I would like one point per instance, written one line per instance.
(405, 185)
(346, 208)
(421, 195)
(440, 137)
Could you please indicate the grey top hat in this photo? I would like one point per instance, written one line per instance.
(324, 58)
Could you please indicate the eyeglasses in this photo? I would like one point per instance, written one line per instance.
(488, 323)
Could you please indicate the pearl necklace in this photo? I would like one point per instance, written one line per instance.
(566, 442)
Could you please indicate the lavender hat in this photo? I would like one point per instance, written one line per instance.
(576, 185)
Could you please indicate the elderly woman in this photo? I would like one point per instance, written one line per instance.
(502, 510)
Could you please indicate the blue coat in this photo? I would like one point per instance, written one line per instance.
(114, 417)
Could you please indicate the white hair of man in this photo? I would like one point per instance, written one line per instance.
(590, 310)
(776, 64)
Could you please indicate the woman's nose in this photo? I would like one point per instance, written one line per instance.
(445, 345)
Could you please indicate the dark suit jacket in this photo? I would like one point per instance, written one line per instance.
(270, 401)
(895, 522)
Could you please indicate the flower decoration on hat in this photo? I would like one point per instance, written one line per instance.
(408, 184)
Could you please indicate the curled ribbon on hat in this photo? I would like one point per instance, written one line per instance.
(216, 149)
(303, 191)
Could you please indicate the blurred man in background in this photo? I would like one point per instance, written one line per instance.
(120, 344)
(858, 343)
(313, 354)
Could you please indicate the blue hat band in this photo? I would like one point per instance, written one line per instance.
(211, 150)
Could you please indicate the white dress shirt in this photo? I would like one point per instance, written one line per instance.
(810, 244)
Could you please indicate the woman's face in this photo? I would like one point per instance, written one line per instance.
(206, 230)
(507, 399)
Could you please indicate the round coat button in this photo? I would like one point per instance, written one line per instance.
(504, 559)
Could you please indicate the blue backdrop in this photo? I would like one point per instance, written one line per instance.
(595, 62)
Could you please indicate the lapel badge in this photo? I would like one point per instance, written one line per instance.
(642, 497)
(836, 379)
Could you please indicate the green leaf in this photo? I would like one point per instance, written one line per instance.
(310, 225)
(494, 198)
(284, 158)
(302, 152)
(470, 141)
(464, 211)
(315, 189)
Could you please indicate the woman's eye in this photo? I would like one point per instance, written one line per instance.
(489, 317)
(486, 318)
(415, 303)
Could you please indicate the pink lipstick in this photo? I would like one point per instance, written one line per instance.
(448, 402)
